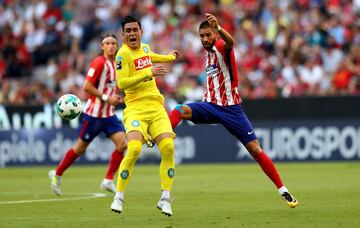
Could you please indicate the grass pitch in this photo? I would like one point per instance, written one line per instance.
(231, 195)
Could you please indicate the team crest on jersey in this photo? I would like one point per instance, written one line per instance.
(146, 50)
(142, 62)
(135, 123)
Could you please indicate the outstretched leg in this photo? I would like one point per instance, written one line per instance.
(270, 170)
(70, 156)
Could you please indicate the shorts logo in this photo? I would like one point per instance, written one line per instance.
(135, 123)
(142, 62)
(146, 50)
(171, 172)
(124, 174)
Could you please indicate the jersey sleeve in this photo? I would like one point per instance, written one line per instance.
(123, 78)
(95, 69)
(220, 45)
(157, 58)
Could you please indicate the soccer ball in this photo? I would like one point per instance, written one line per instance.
(68, 106)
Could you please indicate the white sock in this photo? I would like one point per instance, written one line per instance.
(282, 190)
(107, 180)
(119, 195)
(165, 194)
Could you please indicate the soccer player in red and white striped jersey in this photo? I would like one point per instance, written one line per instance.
(222, 102)
(99, 116)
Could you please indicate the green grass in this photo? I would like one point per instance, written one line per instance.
(232, 195)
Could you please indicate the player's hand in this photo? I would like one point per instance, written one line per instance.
(212, 20)
(158, 71)
(175, 53)
(114, 100)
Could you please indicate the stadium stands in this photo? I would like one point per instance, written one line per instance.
(285, 48)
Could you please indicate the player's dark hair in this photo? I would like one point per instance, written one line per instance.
(204, 25)
(129, 19)
(108, 34)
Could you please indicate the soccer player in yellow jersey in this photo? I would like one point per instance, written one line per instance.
(145, 112)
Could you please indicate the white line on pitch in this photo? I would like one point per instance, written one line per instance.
(89, 196)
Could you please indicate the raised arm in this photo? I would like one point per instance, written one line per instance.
(157, 58)
(229, 40)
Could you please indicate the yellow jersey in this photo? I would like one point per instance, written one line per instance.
(133, 72)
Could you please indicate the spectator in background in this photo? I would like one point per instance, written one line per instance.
(54, 28)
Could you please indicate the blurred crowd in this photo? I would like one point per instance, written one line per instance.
(284, 48)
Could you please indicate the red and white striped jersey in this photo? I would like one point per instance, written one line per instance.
(101, 74)
(222, 76)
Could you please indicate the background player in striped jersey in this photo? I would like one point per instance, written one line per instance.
(222, 102)
(145, 113)
(99, 115)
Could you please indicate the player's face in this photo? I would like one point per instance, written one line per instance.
(132, 35)
(208, 37)
(109, 46)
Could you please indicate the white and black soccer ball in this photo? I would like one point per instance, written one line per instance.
(68, 106)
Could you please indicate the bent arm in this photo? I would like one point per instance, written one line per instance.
(125, 83)
(123, 78)
(229, 40)
(91, 89)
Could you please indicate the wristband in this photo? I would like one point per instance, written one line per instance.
(105, 97)
(218, 28)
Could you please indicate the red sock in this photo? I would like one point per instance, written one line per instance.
(114, 164)
(268, 167)
(175, 118)
(68, 159)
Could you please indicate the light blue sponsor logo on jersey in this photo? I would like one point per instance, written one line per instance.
(146, 50)
(135, 123)
(119, 58)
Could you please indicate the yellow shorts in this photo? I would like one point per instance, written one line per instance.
(147, 116)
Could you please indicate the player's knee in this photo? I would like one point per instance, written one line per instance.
(80, 147)
(184, 110)
(134, 149)
(167, 147)
(121, 147)
(180, 108)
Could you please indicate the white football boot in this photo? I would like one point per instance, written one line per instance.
(164, 205)
(108, 185)
(54, 182)
(117, 205)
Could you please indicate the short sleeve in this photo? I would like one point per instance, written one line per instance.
(220, 45)
(95, 69)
